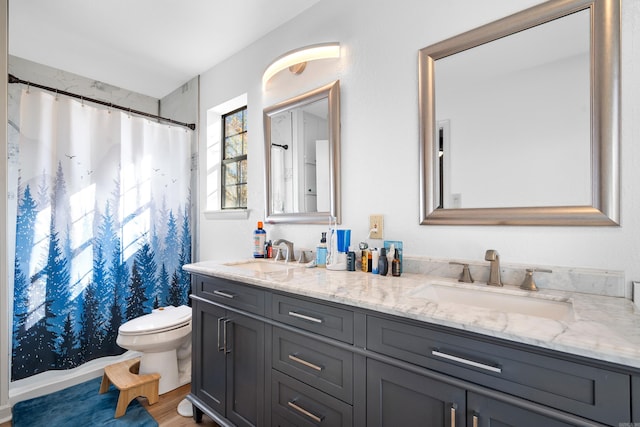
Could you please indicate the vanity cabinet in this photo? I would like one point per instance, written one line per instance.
(548, 382)
(228, 354)
(264, 357)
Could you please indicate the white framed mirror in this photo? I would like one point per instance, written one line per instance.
(520, 119)
(302, 157)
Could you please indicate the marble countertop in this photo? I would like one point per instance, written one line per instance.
(600, 327)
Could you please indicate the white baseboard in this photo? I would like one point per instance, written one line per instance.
(5, 413)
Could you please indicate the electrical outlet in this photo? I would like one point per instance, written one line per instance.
(375, 222)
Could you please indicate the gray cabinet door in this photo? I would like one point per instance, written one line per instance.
(209, 377)
(489, 412)
(396, 397)
(228, 357)
(245, 350)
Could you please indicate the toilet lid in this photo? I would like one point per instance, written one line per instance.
(160, 320)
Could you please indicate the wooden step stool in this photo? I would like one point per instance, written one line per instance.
(124, 376)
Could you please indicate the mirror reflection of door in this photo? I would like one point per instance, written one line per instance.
(300, 180)
(281, 163)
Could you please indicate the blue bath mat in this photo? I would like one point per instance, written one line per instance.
(79, 406)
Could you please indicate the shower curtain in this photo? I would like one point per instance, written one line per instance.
(102, 228)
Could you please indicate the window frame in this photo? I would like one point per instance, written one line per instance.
(237, 160)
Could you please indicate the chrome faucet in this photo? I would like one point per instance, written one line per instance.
(290, 257)
(494, 269)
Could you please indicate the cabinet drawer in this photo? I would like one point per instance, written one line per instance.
(320, 365)
(230, 293)
(315, 317)
(302, 405)
(592, 392)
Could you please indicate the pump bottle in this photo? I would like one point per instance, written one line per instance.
(321, 251)
(259, 238)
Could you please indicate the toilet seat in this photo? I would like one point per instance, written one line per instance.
(160, 320)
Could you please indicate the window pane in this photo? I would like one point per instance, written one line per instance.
(243, 171)
(243, 195)
(235, 123)
(231, 174)
(234, 146)
(231, 197)
(244, 143)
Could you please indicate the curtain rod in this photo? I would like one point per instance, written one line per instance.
(14, 79)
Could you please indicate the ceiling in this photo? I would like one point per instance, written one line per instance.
(146, 46)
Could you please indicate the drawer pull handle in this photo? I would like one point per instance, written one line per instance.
(314, 417)
(475, 420)
(466, 361)
(305, 363)
(224, 294)
(453, 415)
(227, 347)
(305, 317)
(220, 334)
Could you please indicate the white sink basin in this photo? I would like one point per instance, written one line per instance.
(497, 301)
(263, 266)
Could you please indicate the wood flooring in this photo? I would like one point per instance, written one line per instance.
(165, 411)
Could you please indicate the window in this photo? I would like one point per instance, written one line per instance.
(234, 159)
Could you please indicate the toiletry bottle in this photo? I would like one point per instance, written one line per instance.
(395, 266)
(383, 264)
(321, 251)
(369, 260)
(364, 260)
(268, 249)
(375, 259)
(259, 239)
(351, 260)
(363, 256)
(390, 254)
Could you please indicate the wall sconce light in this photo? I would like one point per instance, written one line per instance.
(296, 60)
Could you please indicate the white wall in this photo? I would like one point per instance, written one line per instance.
(379, 108)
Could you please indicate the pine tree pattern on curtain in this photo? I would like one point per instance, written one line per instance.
(102, 229)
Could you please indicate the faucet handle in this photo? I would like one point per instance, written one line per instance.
(302, 259)
(465, 276)
(279, 255)
(528, 283)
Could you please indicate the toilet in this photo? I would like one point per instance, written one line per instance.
(164, 339)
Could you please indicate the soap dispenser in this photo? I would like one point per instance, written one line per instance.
(321, 251)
